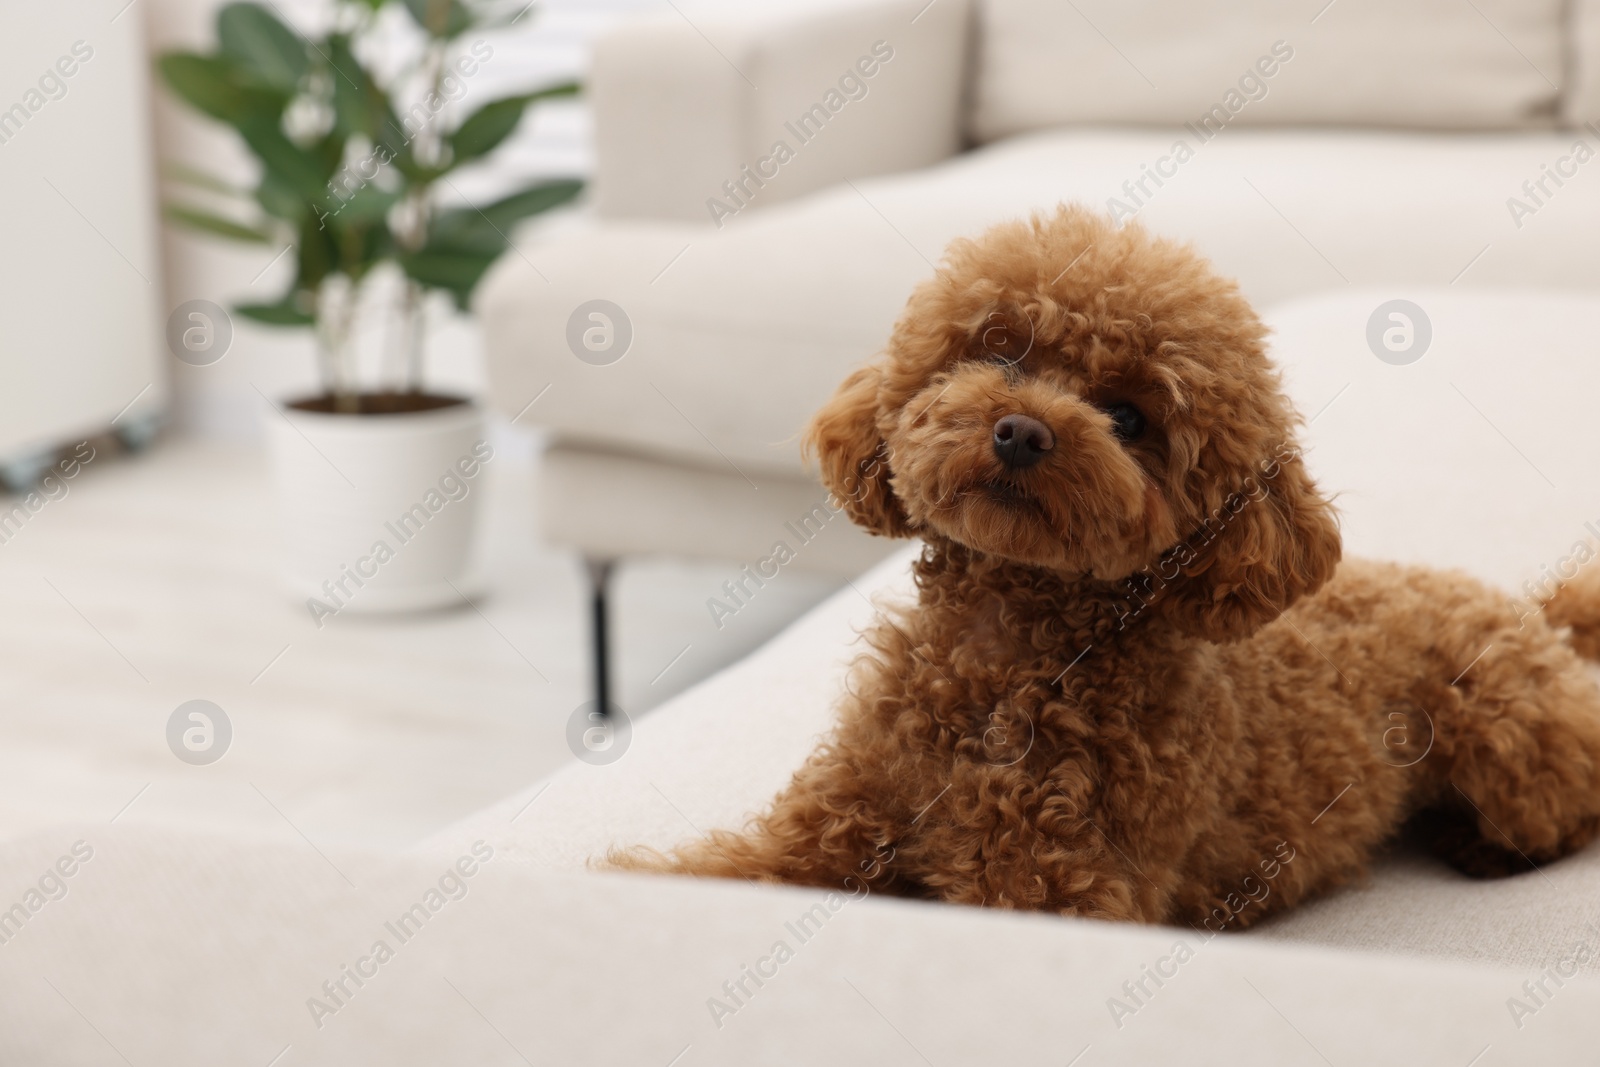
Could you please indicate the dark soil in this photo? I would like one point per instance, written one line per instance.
(380, 404)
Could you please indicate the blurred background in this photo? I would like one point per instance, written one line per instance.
(156, 575)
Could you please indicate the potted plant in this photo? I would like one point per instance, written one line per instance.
(374, 482)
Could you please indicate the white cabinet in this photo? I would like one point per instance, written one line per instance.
(81, 331)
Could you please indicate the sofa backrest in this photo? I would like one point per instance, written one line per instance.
(1441, 64)
(1582, 106)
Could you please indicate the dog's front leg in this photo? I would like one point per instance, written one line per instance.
(1053, 858)
(1083, 885)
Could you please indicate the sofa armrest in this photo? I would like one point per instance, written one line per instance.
(701, 115)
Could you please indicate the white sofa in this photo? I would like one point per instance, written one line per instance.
(1352, 143)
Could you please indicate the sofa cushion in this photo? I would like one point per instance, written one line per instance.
(703, 110)
(182, 950)
(1420, 63)
(612, 505)
(740, 335)
(1582, 104)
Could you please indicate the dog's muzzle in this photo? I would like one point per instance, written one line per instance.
(1022, 441)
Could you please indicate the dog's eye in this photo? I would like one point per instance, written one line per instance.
(1126, 421)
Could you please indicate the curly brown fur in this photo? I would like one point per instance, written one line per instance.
(1137, 682)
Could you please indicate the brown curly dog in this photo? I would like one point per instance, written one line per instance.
(1137, 683)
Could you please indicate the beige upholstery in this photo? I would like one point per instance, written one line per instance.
(1409, 63)
(715, 89)
(1583, 93)
(617, 504)
(228, 943)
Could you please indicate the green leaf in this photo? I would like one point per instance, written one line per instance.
(369, 246)
(216, 86)
(360, 104)
(292, 310)
(327, 154)
(457, 272)
(349, 86)
(443, 19)
(182, 172)
(209, 223)
(364, 206)
(488, 229)
(278, 198)
(359, 242)
(491, 225)
(483, 130)
(316, 253)
(558, 89)
(489, 15)
(505, 213)
(464, 242)
(262, 46)
(304, 171)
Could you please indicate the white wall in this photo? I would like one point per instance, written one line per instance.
(225, 399)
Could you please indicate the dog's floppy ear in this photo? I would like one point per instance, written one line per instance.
(854, 457)
(1268, 545)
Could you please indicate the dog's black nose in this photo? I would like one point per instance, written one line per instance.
(1021, 441)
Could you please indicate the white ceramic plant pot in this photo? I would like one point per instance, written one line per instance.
(378, 511)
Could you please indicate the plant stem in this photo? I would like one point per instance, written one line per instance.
(415, 335)
(336, 310)
(429, 151)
